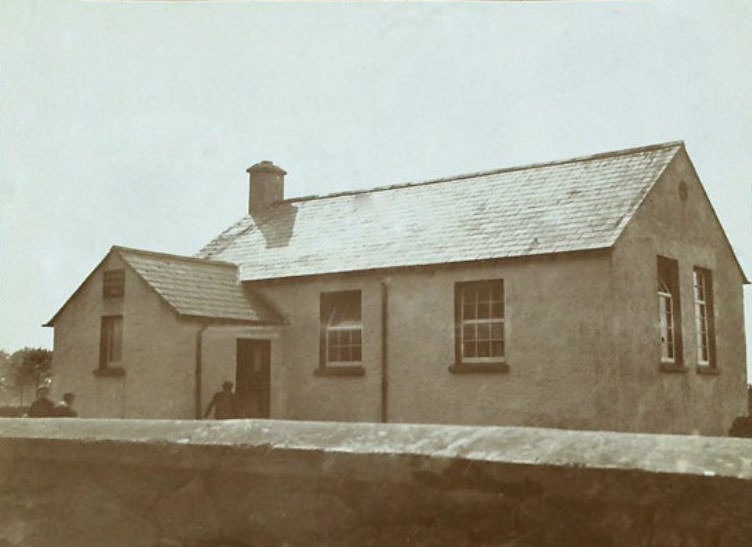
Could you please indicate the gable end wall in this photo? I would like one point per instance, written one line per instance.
(645, 398)
(158, 352)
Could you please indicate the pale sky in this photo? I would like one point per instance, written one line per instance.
(133, 123)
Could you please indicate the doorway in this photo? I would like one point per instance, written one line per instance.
(253, 378)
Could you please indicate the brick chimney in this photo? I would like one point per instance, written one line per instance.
(267, 186)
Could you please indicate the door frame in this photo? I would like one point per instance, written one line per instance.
(260, 375)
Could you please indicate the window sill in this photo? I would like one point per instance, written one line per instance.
(672, 367)
(353, 370)
(109, 372)
(707, 369)
(478, 368)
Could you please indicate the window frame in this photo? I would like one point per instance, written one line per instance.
(477, 362)
(329, 303)
(113, 283)
(667, 322)
(668, 289)
(110, 341)
(704, 316)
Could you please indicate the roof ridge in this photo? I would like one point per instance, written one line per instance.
(156, 254)
(590, 157)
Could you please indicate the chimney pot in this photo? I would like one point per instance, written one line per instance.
(266, 186)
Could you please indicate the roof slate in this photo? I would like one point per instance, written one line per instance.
(571, 205)
(199, 288)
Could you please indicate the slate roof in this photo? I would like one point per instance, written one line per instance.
(571, 205)
(199, 288)
(193, 287)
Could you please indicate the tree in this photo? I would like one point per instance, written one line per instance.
(28, 366)
(5, 372)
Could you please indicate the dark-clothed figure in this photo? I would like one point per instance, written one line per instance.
(64, 409)
(223, 403)
(42, 407)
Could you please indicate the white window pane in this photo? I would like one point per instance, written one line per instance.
(482, 312)
(699, 285)
(666, 327)
(668, 311)
(344, 345)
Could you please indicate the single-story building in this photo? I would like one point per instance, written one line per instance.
(593, 293)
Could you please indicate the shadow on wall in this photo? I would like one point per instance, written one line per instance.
(12, 411)
(278, 228)
(742, 427)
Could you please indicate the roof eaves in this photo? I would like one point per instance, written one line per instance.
(546, 254)
(230, 320)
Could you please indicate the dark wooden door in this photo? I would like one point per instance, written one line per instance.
(253, 378)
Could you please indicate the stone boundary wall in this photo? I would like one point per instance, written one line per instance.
(80, 483)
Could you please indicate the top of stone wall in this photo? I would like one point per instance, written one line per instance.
(689, 455)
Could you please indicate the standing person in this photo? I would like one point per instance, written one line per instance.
(42, 407)
(64, 409)
(223, 403)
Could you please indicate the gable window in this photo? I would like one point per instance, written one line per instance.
(111, 341)
(341, 331)
(113, 284)
(479, 313)
(669, 312)
(704, 325)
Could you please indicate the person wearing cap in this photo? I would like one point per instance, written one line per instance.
(42, 407)
(64, 409)
(223, 403)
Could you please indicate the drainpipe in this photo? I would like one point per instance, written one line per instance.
(197, 371)
(384, 348)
